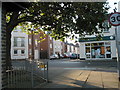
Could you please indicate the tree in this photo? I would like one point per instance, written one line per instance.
(58, 18)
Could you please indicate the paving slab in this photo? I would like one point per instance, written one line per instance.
(109, 80)
(94, 80)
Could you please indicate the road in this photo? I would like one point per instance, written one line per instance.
(83, 65)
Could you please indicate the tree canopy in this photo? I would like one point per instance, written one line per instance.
(60, 18)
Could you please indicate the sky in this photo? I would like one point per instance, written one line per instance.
(111, 3)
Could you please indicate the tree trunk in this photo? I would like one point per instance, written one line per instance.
(9, 27)
(8, 50)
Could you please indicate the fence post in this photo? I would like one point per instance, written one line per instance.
(32, 73)
(8, 78)
(44, 69)
(47, 72)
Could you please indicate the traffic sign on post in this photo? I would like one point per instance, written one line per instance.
(114, 19)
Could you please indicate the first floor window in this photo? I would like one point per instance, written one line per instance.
(15, 51)
(22, 42)
(15, 41)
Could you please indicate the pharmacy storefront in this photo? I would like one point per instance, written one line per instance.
(91, 49)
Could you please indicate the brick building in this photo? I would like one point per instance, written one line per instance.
(43, 49)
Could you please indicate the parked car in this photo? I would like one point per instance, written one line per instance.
(78, 56)
(54, 56)
(61, 56)
(73, 56)
(65, 55)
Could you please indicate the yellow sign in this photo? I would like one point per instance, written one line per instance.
(42, 66)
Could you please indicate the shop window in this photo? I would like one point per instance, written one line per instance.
(98, 50)
(87, 44)
(87, 52)
(107, 43)
(108, 52)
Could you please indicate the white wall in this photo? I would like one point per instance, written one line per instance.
(113, 48)
(19, 33)
(68, 48)
(36, 54)
(57, 47)
(82, 50)
(0, 49)
(77, 51)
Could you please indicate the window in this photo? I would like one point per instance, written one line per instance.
(22, 42)
(15, 41)
(87, 44)
(22, 51)
(36, 43)
(19, 41)
(107, 43)
(50, 45)
(29, 41)
(88, 52)
(98, 50)
(15, 51)
(108, 52)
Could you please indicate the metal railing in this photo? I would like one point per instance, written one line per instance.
(27, 74)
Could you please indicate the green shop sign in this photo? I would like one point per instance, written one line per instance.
(96, 39)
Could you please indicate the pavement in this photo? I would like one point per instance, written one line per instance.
(78, 78)
(84, 79)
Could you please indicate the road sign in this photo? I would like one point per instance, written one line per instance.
(114, 19)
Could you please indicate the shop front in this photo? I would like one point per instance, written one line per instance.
(105, 49)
